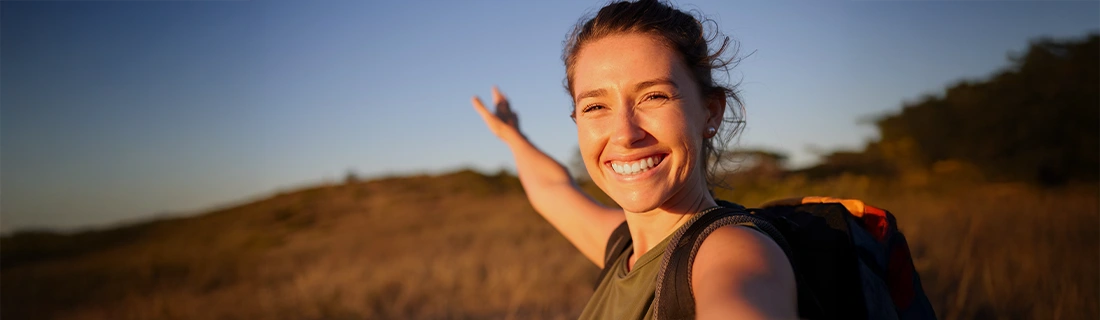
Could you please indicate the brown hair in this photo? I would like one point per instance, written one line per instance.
(684, 33)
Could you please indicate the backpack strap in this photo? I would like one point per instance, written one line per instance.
(616, 244)
(674, 296)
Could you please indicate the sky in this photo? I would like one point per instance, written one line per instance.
(119, 111)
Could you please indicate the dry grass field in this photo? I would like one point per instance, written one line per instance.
(468, 246)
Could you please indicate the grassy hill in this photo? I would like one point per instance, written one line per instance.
(468, 246)
(461, 245)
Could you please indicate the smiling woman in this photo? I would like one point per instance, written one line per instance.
(640, 104)
(648, 115)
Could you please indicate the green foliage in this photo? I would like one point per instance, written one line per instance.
(866, 162)
(1036, 121)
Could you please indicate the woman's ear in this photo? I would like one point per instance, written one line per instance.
(716, 109)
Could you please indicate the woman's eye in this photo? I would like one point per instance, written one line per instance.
(592, 108)
(656, 96)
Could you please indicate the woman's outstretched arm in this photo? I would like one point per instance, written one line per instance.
(550, 188)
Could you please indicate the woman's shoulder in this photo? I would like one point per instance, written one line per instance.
(740, 268)
(740, 246)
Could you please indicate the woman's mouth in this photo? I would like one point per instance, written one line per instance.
(637, 166)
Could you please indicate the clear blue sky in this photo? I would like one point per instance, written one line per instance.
(118, 111)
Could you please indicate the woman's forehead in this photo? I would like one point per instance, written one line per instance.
(619, 60)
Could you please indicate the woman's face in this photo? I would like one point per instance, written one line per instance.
(641, 121)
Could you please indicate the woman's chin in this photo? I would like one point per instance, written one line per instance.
(636, 201)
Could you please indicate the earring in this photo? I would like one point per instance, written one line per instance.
(711, 131)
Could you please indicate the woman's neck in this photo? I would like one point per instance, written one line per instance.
(647, 229)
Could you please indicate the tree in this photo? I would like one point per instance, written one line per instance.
(1038, 120)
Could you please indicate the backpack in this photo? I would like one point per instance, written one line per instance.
(849, 259)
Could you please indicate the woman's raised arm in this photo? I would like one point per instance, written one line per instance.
(550, 188)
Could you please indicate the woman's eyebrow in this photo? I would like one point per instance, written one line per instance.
(639, 87)
(591, 94)
(659, 81)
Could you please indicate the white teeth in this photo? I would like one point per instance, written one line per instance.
(637, 166)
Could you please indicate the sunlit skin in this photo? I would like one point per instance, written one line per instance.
(635, 98)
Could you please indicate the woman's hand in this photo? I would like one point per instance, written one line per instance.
(503, 122)
(548, 186)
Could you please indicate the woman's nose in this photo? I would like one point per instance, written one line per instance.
(626, 130)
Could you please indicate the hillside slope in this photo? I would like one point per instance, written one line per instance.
(469, 246)
(461, 245)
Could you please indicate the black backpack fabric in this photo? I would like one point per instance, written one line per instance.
(850, 260)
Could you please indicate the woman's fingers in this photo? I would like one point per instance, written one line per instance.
(504, 109)
(497, 96)
(484, 112)
(502, 121)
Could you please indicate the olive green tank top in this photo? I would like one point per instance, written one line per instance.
(628, 294)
